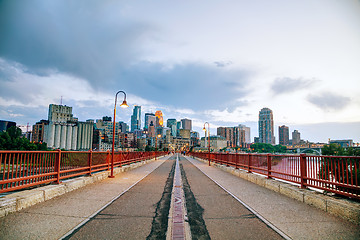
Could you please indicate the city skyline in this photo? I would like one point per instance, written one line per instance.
(265, 120)
(223, 67)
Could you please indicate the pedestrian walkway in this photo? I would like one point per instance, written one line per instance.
(297, 220)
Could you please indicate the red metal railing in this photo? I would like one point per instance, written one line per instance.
(23, 169)
(337, 174)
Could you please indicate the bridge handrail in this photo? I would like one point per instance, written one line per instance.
(24, 169)
(337, 174)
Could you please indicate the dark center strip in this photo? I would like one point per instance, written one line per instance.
(160, 220)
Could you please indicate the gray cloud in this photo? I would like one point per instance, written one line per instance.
(79, 38)
(191, 85)
(288, 85)
(95, 42)
(222, 63)
(22, 115)
(329, 101)
(195, 86)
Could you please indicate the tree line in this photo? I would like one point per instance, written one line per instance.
(12, 140)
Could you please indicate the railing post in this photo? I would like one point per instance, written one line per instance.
(121, 157)
(269, 165)
(57, 165)
(90, 161)
(249, 163)
(303, 170)
(209, 158)
(108, 159)
(236, 160)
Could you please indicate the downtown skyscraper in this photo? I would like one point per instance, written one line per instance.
(284, 135)
(186, 124)
(149, 118)
(136, 119)
(266, 126)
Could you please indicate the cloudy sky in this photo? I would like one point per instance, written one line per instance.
(214, 61)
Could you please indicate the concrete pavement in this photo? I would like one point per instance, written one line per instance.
(223, 216)
(296, 219)
(132, 215)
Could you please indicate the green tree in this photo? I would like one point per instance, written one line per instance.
(340, 169)
(149, 148)
(267, 148)
(279, 149)
(12, 140)
(333, 149)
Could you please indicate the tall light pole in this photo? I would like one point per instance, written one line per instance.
(123, 105)
(208, 137)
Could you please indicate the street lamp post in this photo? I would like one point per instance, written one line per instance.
(123, 105)
(208, 138)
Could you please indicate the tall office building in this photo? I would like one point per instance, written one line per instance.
(39, 131)
(149, 117)
(136, 118)
(123, 127)
(178, 127)
(159, 119)
(151, 131)
(295, 137)
(266, 126)
(186, 124)
(283, 135)
(172, 124)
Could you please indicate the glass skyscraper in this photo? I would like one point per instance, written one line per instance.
(266, 126)
(172, 124)
(136, 119)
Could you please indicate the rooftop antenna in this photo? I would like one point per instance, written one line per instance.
(61, 101)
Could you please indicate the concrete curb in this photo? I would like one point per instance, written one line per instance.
(16, 201)
(344, 208)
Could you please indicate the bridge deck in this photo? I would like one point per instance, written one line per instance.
(222, 216)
